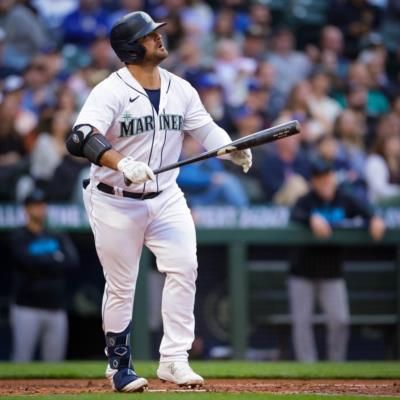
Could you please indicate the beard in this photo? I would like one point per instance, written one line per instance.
(156, 57)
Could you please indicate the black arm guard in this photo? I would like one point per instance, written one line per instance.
(84, 142)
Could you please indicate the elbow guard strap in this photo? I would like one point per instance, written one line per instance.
(85, 142)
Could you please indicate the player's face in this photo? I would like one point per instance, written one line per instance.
(37, 212)
(325, 185)
(155, 50)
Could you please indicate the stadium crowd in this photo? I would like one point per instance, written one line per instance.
(255, 64)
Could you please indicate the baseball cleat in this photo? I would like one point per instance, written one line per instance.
(179, 372)
(126, 380)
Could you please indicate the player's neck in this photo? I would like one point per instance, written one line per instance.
(147, 75)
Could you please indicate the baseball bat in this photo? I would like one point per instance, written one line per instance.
(255, 139)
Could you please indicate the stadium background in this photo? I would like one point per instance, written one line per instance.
(229, 50)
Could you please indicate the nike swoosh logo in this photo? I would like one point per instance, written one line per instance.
(132, 100)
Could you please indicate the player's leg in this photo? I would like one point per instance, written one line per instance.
(25, 326)
(172, 238)
(334, 302)
(54, 336)
(301, 298)
(118, 227)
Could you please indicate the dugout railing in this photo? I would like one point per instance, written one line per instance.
(256, 289)
(374, 285)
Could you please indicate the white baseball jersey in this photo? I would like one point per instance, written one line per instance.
(121, 110)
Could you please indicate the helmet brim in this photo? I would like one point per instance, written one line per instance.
(149, 28)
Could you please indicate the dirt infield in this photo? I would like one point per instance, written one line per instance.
(388, 387)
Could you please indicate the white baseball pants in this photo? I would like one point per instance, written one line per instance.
(121, 226)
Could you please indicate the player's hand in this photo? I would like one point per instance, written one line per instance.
(320, 226)
(377, 228)
(243, 158)
(135, 171)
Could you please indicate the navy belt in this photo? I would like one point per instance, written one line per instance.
(103, 187)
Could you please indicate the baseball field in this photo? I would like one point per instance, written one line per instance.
(224, 380)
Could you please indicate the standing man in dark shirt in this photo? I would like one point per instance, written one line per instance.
(39, 296)
(316, 271)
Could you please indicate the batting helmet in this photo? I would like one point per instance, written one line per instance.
(125, 33)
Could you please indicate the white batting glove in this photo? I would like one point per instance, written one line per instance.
(243, 158)
(135, 171)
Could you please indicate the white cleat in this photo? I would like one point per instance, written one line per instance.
(126, 380)
(179, 372)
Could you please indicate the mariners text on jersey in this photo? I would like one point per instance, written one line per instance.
(130, 126)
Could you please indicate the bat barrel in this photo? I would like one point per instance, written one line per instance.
(256, 139)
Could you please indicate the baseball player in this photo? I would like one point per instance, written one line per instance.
(131, 123)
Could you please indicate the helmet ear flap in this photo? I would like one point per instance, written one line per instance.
(137, 52)
(131, 53)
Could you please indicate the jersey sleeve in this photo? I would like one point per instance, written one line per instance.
(196, 115)
(100, 108)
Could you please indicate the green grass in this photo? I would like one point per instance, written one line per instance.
(213, 369)
(195, 396)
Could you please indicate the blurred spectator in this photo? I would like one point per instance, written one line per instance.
(24, 34)
(386, 126)
(40, 87)
(356, 18)
(67, 102)
(359, 78)
(224, 28)
(49, 148)
(331, 55)
(125, 7)
(320, 103)
(83, 80)
(260, 17)
(246, 121)
(291, 66)
(207, 182)
(284, 171)
(4, 69)
(102, 57)
(38, 310)
(212, 96)
(52, 14)
(173, 31)
(298, 107)
(87, 22)
(382, 170)
(257, 101)
(187, 61)
(351, 131)
(254, 43)
(316, 271)
(233, 71)
(13, 150)
(266, 77)
(197, 19)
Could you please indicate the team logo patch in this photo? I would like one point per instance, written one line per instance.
(131, 126)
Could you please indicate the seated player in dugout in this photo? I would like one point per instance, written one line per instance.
(316, 270)
(134, 122)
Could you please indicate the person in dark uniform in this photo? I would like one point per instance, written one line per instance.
(316, 271)
(38, 309)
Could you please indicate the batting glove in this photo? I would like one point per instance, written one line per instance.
(243, 158)
(135, 171)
